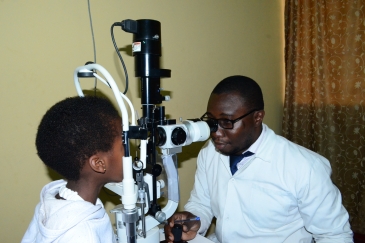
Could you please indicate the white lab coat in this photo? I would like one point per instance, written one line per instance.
(68, 221)
(283, 193)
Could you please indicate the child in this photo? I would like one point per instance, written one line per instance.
(81, 139)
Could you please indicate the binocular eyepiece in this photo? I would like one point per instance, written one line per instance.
(192, 130)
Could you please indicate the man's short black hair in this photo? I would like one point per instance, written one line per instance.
(73, 130)
(249, 90)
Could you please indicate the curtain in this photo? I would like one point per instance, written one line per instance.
(324, 107)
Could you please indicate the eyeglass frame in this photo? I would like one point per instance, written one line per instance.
(225, 119)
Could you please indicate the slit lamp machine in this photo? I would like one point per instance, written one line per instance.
(139, 215)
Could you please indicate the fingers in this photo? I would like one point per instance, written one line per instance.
(168, 235)
(189, 229)
(185, 234)
(193, 225)
(188, 235)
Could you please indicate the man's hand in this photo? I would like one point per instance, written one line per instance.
(190, 228)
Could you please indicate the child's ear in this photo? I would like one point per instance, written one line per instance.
(97, 164)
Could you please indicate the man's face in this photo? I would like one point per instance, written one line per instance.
(244, 132)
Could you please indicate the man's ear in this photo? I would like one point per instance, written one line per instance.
(97, 164)
(259, 117)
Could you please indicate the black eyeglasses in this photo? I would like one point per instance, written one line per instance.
(225, 123)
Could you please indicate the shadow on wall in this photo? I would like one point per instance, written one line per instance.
(190, 152)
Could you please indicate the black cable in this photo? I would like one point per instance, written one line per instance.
(120, 57)
(93, 38)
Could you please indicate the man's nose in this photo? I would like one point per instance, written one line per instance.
(218, 133)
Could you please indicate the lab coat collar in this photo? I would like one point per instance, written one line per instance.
(265, 150)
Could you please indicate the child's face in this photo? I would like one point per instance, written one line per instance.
(115, 170)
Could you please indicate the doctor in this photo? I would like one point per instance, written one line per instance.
(259, 186)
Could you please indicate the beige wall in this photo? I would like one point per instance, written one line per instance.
(42, 42)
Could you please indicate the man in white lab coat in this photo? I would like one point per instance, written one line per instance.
(259, 186)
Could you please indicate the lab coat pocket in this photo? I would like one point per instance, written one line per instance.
(268, 206)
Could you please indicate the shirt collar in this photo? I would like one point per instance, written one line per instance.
(255, 146)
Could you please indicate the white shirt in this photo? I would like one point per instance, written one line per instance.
(283, 193)
(72, 220)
